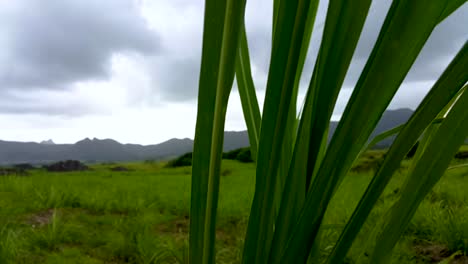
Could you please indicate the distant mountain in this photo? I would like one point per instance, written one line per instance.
(96, 150)
(47, 142)
(389, 120)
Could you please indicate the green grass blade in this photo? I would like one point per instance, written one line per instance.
(391, 132)
(247, 93)
(443, 91)
(427, 172)
(451, 7)
(336, 51)
(396, 49)
(223, 21)
(458, 166)
(294, 189)
(212, 39)
(276, 4)
(291, 124)
(384, 135)
(288, 37)
(343, 27)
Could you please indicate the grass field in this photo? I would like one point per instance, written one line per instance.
(141, 215)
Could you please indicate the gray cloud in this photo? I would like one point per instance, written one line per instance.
(45, 102)
(445, 41)
(443, 44)
(178, 78)
(51, 44)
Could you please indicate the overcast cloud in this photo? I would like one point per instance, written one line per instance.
(76, 68)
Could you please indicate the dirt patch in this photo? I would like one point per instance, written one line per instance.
(179, 229)
(41, 218)
(460, 260)
(431, 252)
(226, 172)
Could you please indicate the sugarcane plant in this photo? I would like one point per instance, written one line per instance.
(297, 170)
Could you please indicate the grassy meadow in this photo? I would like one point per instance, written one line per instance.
(142, 215)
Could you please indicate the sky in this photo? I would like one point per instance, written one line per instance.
(128, 69)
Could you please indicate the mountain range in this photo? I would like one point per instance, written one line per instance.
(106, 150)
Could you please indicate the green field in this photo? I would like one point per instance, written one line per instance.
(141, 215)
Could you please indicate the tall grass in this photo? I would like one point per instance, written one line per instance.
(297, 172)
(8, 245)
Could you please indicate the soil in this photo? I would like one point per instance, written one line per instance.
(41, 218)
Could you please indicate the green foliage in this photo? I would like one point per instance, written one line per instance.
(184, 160)
(244, 156)
(231, 155)
(8, 245)
(241, 154)
(297, 172)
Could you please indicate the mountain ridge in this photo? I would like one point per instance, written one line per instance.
(109, 150)
(104, 150)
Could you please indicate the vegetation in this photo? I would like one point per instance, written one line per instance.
(240, 154)
(141, 215)
(184, 160)
(298, 173)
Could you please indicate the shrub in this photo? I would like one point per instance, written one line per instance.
(244, 155)
(231, 155)
(240, 154)
(182, 161)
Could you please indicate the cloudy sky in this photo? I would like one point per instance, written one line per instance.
(128, 69)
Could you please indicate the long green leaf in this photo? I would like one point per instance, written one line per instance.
(427, 172)
(221, 32)
(211, 53)
(396, 49)
(292, 174)
(458, 166)
(343, 27)
(384, 135)
(247, 93)
(451, 7)
(291, 124)
(337, 50)
(288, 37)
(391, 132)
(443, 91)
